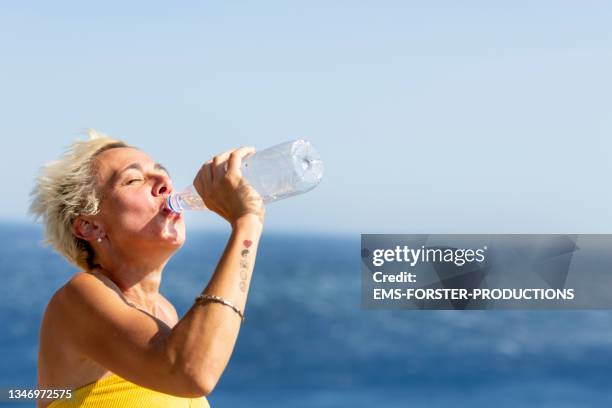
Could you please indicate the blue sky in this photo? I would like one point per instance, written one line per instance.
(431, 117)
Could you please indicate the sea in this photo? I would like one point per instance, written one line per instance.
(307, 341)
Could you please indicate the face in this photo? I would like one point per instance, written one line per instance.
(133, 215)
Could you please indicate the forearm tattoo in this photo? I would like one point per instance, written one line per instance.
(244, 264)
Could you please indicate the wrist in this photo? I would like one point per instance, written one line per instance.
(248, 221)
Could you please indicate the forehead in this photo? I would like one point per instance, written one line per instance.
(110, 163)
(118, 158)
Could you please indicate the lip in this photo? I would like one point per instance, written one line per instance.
(166, 212)
(163, 205)
(171, 214)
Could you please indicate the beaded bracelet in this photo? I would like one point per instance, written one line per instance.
(218, 299)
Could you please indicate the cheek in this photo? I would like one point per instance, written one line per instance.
(136, 200)
(131, 211)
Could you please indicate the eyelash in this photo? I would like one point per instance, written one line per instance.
(130, 182)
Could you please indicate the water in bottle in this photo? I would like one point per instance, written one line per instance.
(278, 172)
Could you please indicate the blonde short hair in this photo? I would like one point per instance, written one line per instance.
(66, 189)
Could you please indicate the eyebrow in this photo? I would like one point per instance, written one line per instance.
(138, 167)
(159, 166)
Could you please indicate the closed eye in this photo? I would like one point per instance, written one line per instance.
(133, 180)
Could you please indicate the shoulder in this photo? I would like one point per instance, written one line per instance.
(89, 299)
(79, 287)
(87, 281)
(78, 284)
(85, 290)
(58, 358)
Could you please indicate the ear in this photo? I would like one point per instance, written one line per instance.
(86, 229)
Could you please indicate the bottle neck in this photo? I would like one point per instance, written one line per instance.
(173, 202)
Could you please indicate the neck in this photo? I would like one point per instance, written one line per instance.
(138, 277)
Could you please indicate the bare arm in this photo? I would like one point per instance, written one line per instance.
(188, 359)
(203, 341)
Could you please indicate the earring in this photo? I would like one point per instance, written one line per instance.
(99, 239)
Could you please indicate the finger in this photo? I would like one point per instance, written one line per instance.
(235, 159)
(208, 187)
(199, 181)
(219, 165)
(208, 177)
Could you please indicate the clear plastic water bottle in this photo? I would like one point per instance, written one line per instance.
(278, 172)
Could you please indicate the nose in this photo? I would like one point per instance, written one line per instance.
(163, 186)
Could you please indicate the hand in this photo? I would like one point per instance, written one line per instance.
(223, 189)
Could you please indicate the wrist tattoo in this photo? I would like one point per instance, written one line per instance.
(244, 264)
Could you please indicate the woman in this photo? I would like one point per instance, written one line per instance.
(108, 335)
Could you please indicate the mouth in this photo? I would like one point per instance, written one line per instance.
(168, 213)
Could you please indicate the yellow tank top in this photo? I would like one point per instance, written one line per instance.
(115, 392)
